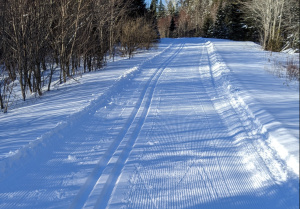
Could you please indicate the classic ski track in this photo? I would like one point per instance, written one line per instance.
(208, 126)
(235, 112)
(210, 187)
(57, 136)
(139, 115)
(215, 189)
(211, 135)
(93, 177)
(125, 146)
(260, 162)
(139, 167)
(28, 152)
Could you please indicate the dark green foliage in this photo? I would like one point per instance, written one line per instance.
(235, 25)
(230, 23)
(161, 9)
(136, 8)
(208, 27)
(221, 29)
(171, 8)
(153, 8)
(172, 25)
(172, 28)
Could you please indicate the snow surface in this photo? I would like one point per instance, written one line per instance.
(196, 123)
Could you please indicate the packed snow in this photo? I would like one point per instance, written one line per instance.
(195, 123)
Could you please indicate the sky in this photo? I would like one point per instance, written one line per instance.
(149, 1)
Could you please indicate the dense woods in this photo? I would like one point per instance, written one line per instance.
(42, 39)
(273, 23)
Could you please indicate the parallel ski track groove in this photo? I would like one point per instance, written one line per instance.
(74, 121)
(87, 189)
(97, 171)
(190, 168)
(53, 137)
(147, 96)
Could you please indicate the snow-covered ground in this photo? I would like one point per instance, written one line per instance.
(196, 123)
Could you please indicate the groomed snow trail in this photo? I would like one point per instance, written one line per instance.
(195, 148)
(173, 134)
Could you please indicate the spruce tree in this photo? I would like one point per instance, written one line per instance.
(220, 28)
(235, 25)
(171, 8)
(172, 27)
(137, 8)
(161, 9)
(153, 8)
(208, 27)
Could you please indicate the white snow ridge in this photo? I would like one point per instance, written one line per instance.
(196, 123)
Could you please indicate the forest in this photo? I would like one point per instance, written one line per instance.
(40, 39)
(272, 23)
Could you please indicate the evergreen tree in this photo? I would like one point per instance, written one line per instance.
(235, 25)
(172, 27)
(208, 27)
(161, 9)
(220, 28)
(153, 8)
(171, 8)
(154, 15)
(137, 8)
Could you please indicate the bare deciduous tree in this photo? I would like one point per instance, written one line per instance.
(131, 40)
(268, 16)
(38, 37)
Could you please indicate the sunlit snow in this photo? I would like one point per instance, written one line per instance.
(195, 123)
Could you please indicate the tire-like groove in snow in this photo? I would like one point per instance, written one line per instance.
(84, 196)
(246, 110)
(264, 166)
(245, 118)
(209, 127)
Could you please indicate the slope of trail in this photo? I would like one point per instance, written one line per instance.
(173, 131)
(195, 149)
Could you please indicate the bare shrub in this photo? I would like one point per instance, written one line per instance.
(287, 69)
(6, 90)
(136, 34)
(292, 70)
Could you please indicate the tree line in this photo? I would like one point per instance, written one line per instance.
(39, 38)
(273, 23)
